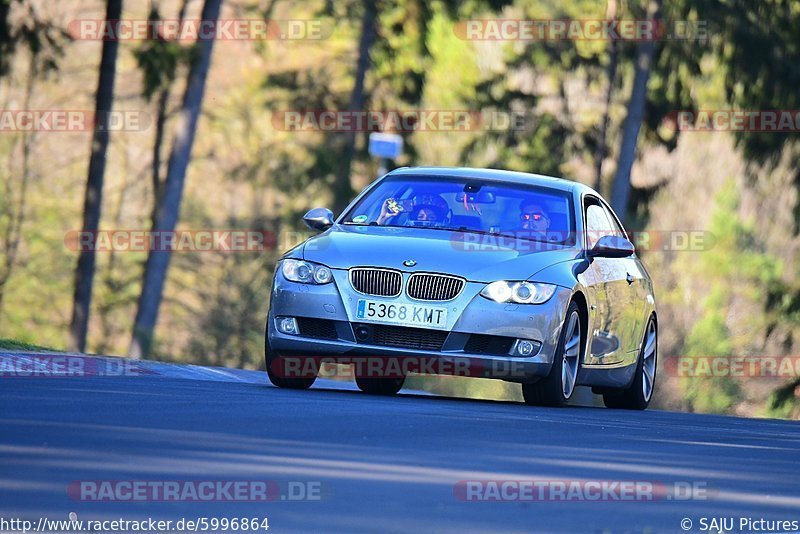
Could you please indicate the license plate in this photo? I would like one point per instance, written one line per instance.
(402, 314)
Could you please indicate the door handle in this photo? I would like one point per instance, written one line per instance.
(629, 278)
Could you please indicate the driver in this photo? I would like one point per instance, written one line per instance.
(425, 214)
(534, 219)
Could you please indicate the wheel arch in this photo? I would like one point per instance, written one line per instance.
(579, 298)
(654, 316)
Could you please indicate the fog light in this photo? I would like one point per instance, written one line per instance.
(288, 325)
(523, 347)
(362, 333)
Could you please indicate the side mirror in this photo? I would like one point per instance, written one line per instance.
(612, 246)
(319, 219)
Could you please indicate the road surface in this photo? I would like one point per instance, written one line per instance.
(375, 464)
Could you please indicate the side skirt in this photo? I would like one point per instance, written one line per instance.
(604, 378)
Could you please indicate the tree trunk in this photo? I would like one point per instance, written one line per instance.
(155, 166)
(611, 74)
(343, 191)
(104, 99)
(645, 53)
(155, 271)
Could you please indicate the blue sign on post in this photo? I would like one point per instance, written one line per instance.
(385, 145)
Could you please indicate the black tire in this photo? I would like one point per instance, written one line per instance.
(380, 386)
(634, 397)
(549, 391)
(273, 363)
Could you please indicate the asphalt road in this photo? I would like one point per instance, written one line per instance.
(377, 464)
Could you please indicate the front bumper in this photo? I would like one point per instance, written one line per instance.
(469, 314)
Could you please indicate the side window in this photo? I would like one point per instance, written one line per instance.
(618, 231)
(597, 224)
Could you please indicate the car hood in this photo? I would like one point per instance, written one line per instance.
(478, 258)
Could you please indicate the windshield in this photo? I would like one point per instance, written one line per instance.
(468, 205)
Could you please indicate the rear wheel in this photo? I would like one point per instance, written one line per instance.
(380, 386)
(638, 395)
(557, 387)
(277, 371)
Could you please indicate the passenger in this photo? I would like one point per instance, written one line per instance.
(426, 210)
(389, 210)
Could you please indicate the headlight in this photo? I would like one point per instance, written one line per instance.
(306, 272)
(518, 292)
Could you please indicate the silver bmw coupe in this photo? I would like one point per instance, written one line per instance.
(468, 272)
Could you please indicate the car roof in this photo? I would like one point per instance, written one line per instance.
(493, 175)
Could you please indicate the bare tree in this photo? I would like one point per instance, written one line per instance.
(157, 264)
(104, 99)
(645, 53)
(342, 189)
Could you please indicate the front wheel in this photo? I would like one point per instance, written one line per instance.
(380, 386)
(557, 387)
(278, 371)
(638, 395)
